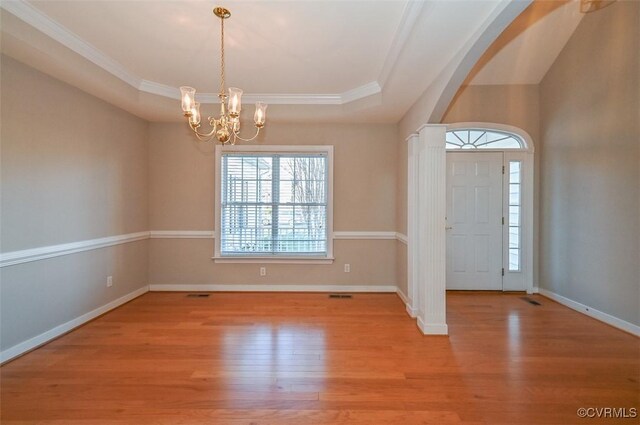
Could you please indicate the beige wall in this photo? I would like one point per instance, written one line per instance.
(188, 262)
(73, 168)
(591, 165)
(181, 197)
(516, 105)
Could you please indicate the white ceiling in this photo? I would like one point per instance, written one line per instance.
(336, 46)
(337, 61)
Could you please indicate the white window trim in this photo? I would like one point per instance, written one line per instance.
(285, 149)
(484, 126)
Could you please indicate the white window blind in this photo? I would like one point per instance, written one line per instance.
(515, 219)
(273, 204)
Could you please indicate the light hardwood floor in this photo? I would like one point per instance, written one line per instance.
(291, 358)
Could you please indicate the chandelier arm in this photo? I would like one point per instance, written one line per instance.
(204, 136)
(236, 136)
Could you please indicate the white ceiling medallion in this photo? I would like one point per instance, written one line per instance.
(43, 23)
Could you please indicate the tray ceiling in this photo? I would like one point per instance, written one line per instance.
(342, 61)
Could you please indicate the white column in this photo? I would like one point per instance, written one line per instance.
(431, 212)
(412, 231)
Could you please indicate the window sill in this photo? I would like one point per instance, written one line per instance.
(274, 260)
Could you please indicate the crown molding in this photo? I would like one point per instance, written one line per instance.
(409, 18)
(361, 92)
(43, 23)
(38, 20)
(159, 89)
(278, 99)
(352, 95)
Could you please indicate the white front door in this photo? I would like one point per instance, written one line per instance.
(474, 220)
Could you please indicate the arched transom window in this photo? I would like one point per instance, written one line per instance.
(483, 139)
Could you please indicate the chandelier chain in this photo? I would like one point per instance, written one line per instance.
(222, 56)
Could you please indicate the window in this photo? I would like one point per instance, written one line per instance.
(274, 204)
(515, 221)
(482, 139)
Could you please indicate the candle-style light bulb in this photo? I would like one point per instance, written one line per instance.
(261, 114)
(194, 117)
(235, 101)
(188, 95)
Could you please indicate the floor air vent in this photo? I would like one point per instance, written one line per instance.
(197, 295)
(530, 301)
(340, 296)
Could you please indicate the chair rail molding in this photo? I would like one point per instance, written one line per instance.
(34, 254)
(13, 258)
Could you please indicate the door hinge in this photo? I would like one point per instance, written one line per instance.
(503, 221)
(503, 169)
(503, 271)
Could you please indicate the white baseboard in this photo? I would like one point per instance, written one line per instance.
(273, 288)
(405, 299)
(403, 296)
(592, 312)
(433, 329)
(47, 336)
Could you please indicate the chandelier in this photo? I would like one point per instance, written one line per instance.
(225, 128)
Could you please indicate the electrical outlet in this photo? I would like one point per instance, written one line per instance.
(109, 281)
(263, 271)
(347, 268)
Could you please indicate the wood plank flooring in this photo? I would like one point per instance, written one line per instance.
(291, 358)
